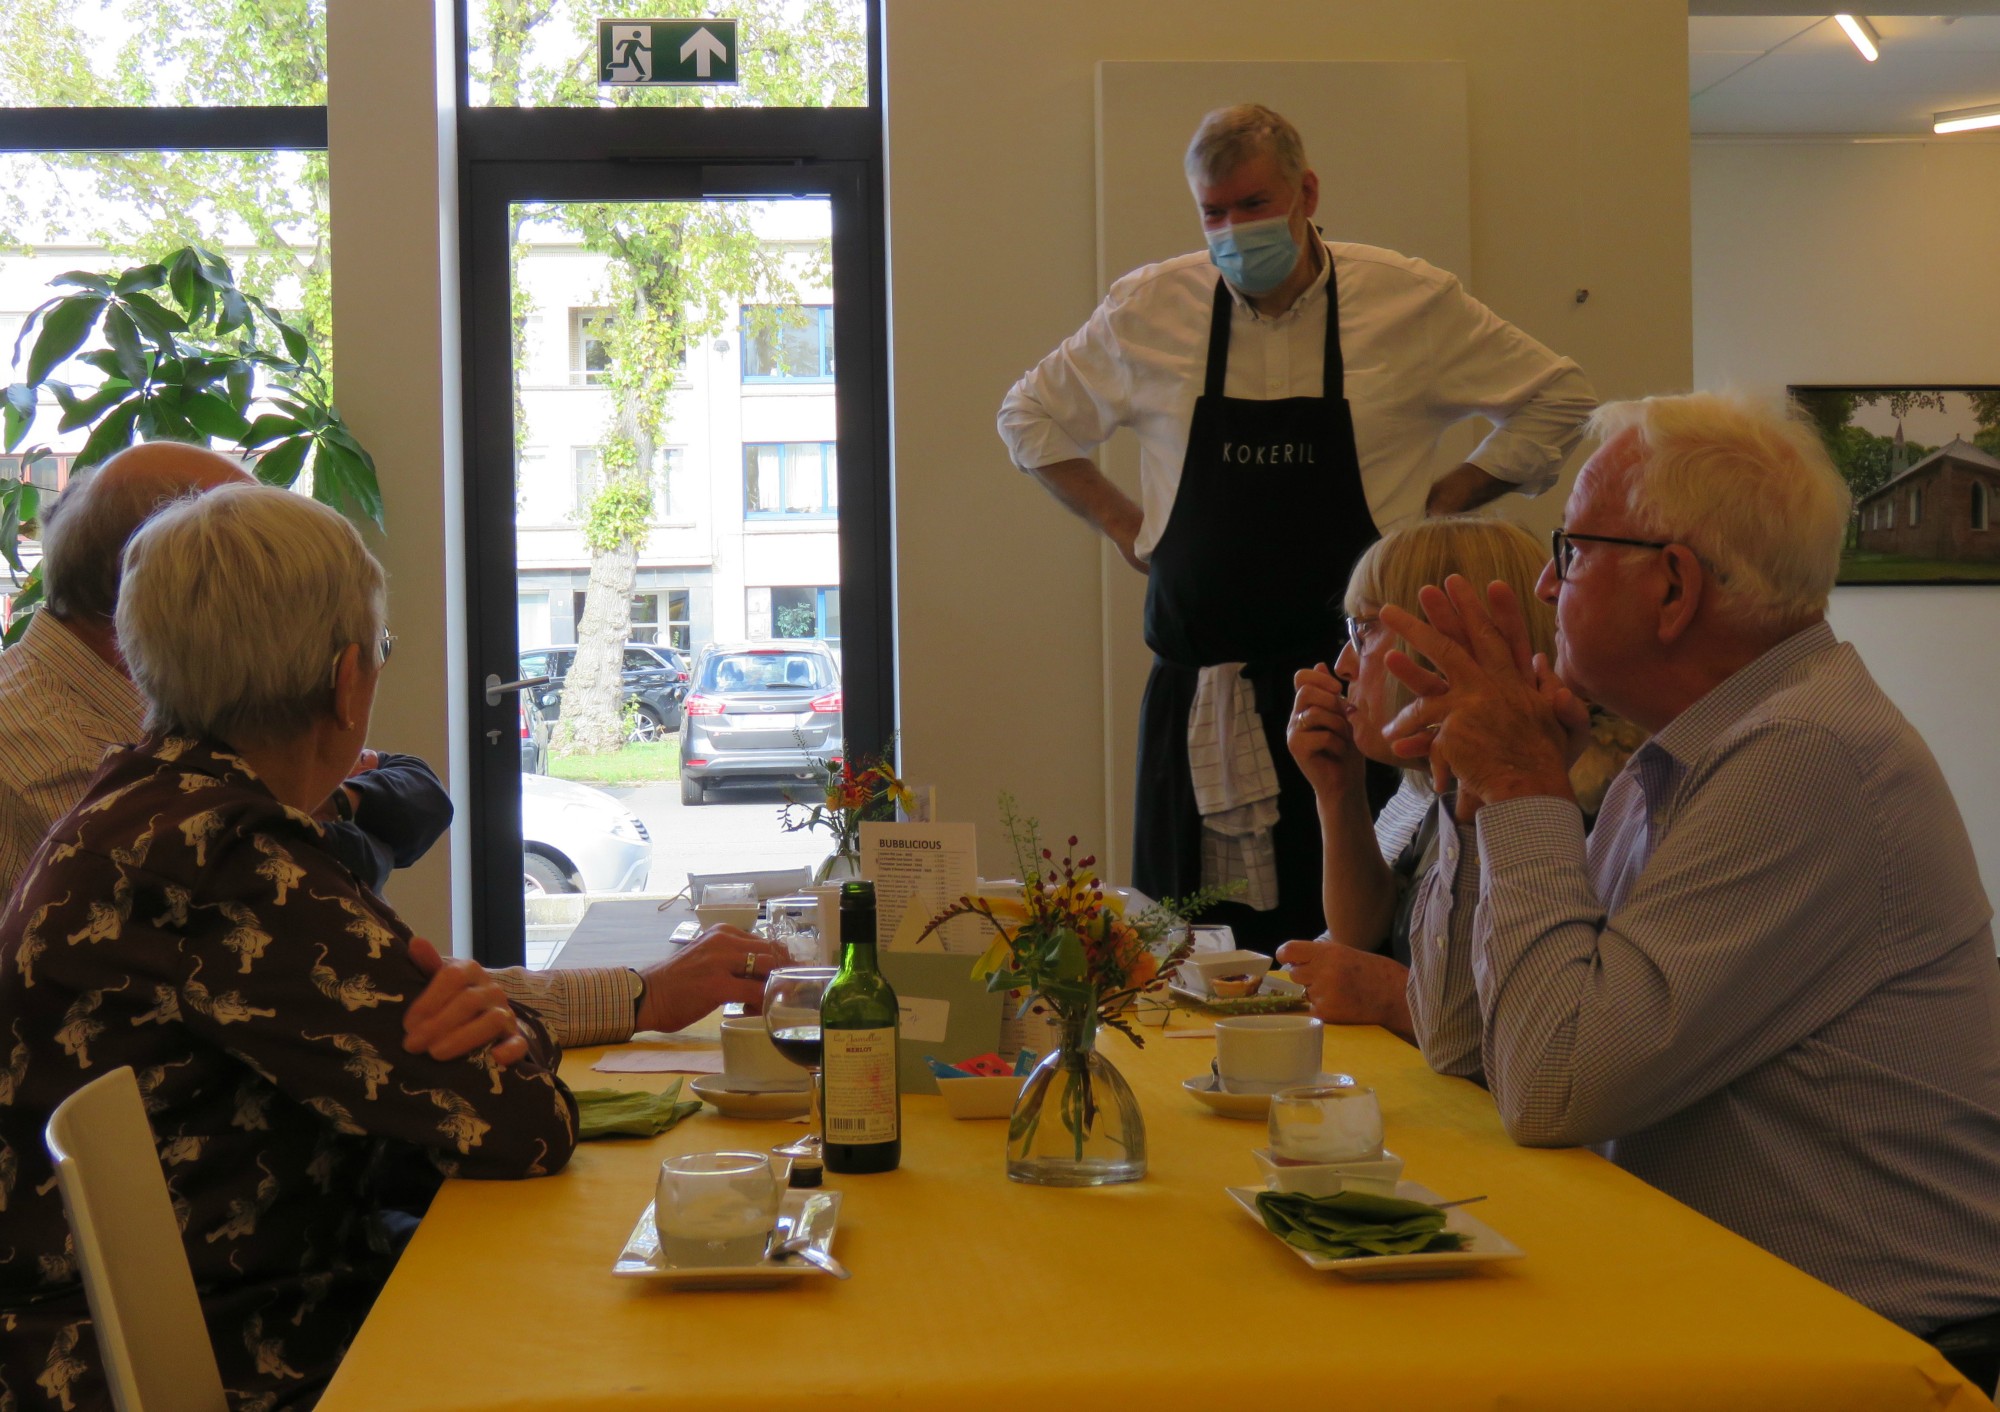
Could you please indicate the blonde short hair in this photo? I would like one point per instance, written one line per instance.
(1746, 483)
(1229, 137)
(1396, 566)
(235, 606)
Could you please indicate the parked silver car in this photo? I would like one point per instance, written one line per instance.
(578, 839)
(759, 712)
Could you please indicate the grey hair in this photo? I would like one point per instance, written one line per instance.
(83, 533)
(236, 605)
(1747, 484)
(1229, 137)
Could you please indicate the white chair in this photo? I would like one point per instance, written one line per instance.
(150, 1334)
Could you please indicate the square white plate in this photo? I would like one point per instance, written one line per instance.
(1483, 1244)
(640, 1259)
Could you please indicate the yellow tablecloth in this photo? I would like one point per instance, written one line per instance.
(972, 1292)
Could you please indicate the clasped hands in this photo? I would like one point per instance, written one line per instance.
(1490, 714)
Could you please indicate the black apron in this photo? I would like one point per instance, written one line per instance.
(1267, 522)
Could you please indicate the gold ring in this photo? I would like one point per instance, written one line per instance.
(749, 965)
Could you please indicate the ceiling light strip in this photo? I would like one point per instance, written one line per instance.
(1863, 34)
(1966, 119)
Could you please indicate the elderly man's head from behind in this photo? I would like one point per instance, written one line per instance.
(1706, 529)
(84, 533)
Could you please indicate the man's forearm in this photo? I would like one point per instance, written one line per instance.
(1467, 487)
(1087, 493)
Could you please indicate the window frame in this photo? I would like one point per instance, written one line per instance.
(822, 322)
(828, 453)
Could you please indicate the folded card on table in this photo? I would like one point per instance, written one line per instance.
(652, 1059)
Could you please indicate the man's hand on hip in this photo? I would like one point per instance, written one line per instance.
(1087, 493)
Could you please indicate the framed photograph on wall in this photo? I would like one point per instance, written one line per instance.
(1924, 465)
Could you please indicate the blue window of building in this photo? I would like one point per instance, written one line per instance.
(795, 478)
(787, 343)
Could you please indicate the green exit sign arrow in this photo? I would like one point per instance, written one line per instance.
(659, 53)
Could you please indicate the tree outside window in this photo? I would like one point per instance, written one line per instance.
(787, 343)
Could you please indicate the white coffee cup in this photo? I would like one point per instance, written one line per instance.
(726, 914)
(1264, 1053)
(751, 1063)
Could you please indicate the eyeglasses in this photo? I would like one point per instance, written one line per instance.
(1562, 547)
(384, 646)
(1359, 630)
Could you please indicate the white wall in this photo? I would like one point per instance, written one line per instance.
(1870, 262)
(1577, 116)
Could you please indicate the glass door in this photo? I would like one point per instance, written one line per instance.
(672, 488)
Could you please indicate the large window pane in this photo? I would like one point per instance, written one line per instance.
(543, 54)
(162, 53)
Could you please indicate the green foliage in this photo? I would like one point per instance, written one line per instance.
(183, 354)
(1866, 460)
(796, 620)
(144, 205)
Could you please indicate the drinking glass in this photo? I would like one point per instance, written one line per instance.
(791, 1012)
(1337, 1122)
(715, 1208)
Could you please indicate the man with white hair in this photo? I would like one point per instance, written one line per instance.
(67, 698)
(1766, 979)
(1275, 442)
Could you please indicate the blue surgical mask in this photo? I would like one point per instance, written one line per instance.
(1255, 256)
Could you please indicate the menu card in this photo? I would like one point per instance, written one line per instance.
(918, 870)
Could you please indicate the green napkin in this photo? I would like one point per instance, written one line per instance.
(627, 1112)
(1356, 1223)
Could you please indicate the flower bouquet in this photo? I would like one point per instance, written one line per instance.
(850, 794)
(1073, 943)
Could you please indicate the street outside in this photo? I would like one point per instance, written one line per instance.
(736, 831)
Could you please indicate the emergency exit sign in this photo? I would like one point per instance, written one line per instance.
(659, 53)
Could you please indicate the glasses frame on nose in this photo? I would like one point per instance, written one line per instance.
(1563, 553)
(1359, 631)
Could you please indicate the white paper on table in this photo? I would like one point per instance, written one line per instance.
(660, 1061)
(919, 870)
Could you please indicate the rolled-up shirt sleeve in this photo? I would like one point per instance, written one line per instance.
(1481, 365)
(1072, 401)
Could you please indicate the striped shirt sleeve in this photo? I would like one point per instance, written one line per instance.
(586, 1006)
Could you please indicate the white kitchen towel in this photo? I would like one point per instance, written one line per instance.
(1235, 785)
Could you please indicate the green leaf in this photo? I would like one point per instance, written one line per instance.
(84, 279)
(83, 412)
(25, 604)
(269, 427)
(280, 465)
(213, 416)
(123, 335)
(104, 360)
(159, 322)
(142, 277)
(346, 481)
(235, 310)
(160, 419)
(20, 412)
(242, 382)
(65, 326)
(111, 435)
(184, 281)
(295, 342)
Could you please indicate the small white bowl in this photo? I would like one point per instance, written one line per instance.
(1377, 1177)
(741, 915)
(1211, 965)
(981, 1097)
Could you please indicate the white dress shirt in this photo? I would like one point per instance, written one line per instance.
(1420, 355)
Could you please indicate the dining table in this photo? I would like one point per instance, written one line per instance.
(974, 1292)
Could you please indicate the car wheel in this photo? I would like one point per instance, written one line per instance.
(646, 727)
(692, 791)
(540, 877)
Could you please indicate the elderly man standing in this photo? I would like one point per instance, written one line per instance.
(1275, 443)
(67, 698)
(1766, 980)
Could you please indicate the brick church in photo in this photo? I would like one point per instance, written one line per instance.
(1940, 508)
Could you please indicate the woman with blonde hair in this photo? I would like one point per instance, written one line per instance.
(1380, 878)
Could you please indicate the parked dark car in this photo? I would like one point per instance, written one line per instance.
(759, 712)
(655, 681)
(534, 734)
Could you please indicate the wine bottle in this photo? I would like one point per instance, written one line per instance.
(858, 1023)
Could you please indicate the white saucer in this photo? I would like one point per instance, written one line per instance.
(1235, 1105)
(742, 1103)
(815, 1212)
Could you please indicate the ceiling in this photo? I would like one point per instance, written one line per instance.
(1759, 73)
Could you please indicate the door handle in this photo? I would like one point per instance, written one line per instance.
(495, 687)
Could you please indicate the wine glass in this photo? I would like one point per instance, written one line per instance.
(791, 1012)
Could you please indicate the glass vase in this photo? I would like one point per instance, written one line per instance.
(1076, 1122)
(842, 865)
